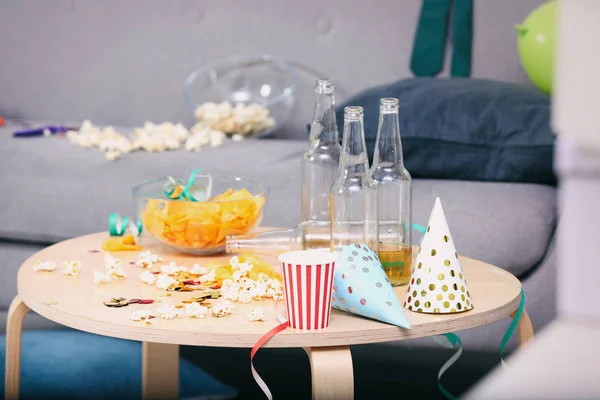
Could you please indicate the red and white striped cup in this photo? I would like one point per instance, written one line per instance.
(308, 286)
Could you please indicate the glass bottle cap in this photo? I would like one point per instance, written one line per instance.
(353, 112)
(324, 86)
(389, 104)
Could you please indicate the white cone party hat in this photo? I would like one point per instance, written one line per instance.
(437, 284)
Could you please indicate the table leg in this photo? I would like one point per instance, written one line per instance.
(14, 327)
(524, 329)
(331, 372)
(160, 371)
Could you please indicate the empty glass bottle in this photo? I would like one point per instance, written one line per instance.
(306, 235)
(394, 190)
(353, 200)
(320, 161)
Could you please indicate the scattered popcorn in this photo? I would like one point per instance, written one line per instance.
(139, 315)
(162, 137)
(146, 259)
(71, 268)
(222, 309)
(101, 277)
(256, 314)
(148, 277)
(172, 269)
(242, 120)
(198, 269)
(165, 282)
(168, 312)
(209, 277)
(237, 137)
(112, 155)
(195, 310)
(47, 132)
(117, 273)
(259, 291)
(44, 265)
(244, 297)
(111, 262)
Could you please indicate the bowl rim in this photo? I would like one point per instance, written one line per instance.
(284, 64)
(264, 193)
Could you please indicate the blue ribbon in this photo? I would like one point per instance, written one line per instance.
(453, 339)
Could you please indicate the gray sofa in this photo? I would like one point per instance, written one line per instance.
(132, 72)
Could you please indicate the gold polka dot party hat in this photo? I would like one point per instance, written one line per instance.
(437, 284)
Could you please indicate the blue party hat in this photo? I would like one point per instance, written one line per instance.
(361, 286)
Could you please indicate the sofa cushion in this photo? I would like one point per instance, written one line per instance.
(471, 129)
(55, 191)
(69, 364)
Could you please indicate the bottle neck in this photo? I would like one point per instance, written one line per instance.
(389, 145)
(354, 159)
(324, 127)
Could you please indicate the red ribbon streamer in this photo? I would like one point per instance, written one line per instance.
(261, 383)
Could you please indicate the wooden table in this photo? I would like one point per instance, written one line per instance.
(76, 302)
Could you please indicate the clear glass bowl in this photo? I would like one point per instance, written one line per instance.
(266, 80)
(200, 228)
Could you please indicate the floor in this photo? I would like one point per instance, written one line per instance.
(380, 372)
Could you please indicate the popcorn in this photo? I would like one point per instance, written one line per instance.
(112, 155)
(139, 315)
(195, 310)
(146, 259)
(44, 265)
(197, 269)
(256, 314)
(209, 277)
(241, 119)
(111, 262)
(259, 291)
(168, 312)
(165, 282)
(222, 309)
(101, 277)
(71, 268)
(244, 296)
(117, 272)
(148, 277)
(172, 269)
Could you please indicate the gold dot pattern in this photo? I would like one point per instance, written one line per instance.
(437, 279)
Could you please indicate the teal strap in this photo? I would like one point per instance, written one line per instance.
(430, 38)
(189, 192)
(462, 38)
(117, 226)
(191, 180)
(512, 327)
(419, 228)
(453, 340)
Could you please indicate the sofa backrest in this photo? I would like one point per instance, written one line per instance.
(124, 62)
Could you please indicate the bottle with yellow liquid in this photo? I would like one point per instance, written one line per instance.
(353, 199)
(394, 193)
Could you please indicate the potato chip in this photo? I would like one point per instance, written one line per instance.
(203, 225)
(120, 243)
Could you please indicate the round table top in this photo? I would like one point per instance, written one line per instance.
(78, 303)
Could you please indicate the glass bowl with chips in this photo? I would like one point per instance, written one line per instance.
(197, 216)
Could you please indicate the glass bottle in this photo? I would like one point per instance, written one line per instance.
(320, 161)
(306, 235)
(394, 189)
(353, 200)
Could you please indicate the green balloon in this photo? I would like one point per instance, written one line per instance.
(536, 45)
